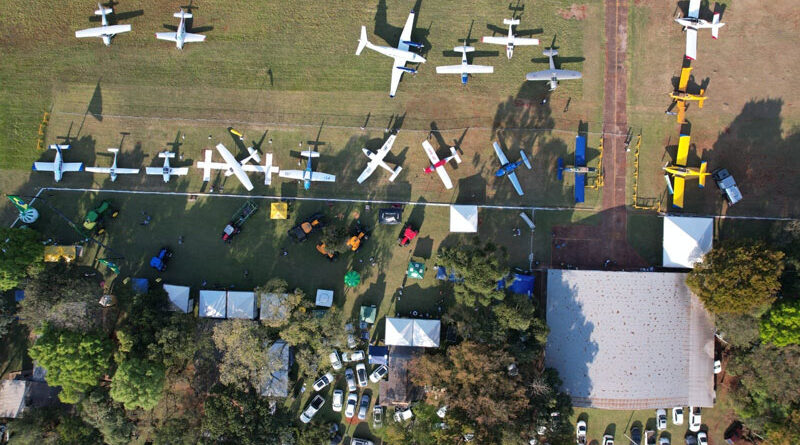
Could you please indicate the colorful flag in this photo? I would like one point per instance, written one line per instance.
(18, 203)
(110, 264)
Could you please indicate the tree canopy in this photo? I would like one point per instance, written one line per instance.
(231, 416)
(314, 337)
(737, 277)
(73, 360)
(781, 325)
(138, 383)
(62, 295)
(245, 363)
(278, 311)
(98, 410)
(22, 254)
(480, 267)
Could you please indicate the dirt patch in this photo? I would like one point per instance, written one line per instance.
(577, 12)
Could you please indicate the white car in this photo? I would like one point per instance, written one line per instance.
(312, 408)
(352, 401)
(361, 375)
(664, 440)
(580, 431)
(402, 415)
(717, 366)
(357, 441)
(335, 361)
(362, 407)
(702, 438)
(677, 415)
(355, 356)
(378, 373)
(323, 381)
(608, 439)
(351, 379)
(338, 397)
(694, 419)
(661, 419)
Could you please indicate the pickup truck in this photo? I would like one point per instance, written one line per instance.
(727, 185)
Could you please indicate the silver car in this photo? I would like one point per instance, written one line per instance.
(351, 379)
(313, 407)
(362, 408)
(361, 375)
(350, 410)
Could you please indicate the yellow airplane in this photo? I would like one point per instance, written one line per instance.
(680, 96)
(680, 173)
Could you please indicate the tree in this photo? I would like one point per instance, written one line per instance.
(98, 410)
(22, 255)
(314, 337)
(138, 383)
(334, 237)
(175, 344)
(515, 313)
(278, 311)
(62, 295)
(480, 268)
(73, 360)
(72, 430)
(176, 431)
(231, 416)
(6, 317)
(739, 330)
(781, 326)
(785, 433)
(737, 277)
(245, 363)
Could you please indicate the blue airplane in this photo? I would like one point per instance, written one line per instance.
(307, 176)
(579, 169)
(507, 168)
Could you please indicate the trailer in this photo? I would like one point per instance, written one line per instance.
(237, 221)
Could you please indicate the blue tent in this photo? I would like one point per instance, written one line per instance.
(19, 295)
(139, 285)
(520, 284)
(441, 274)
(378, 355)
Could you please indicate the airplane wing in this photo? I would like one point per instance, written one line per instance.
(500, 154)
(442, 172)
(72, 167)
(407, 28)
(44, 166)
(580, 184)
(188, 37)
(476, 69)
(387, 146)
(497, 40)
(180, 171)
(324, 177)
(105, 170)
(525, 41)
(683, 150)
(430, 152)
(691, 43)
(154, 170)
(102, 30)
(694, 9)
(292, 174)
(125, 171)
(450, 69)
(678, 186)
(368, 170)
(684, 80)
(539, 75)
(515, 182)
(171, 36)
(396, 75)
(567, 74)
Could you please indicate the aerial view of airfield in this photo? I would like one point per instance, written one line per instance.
(374, 222)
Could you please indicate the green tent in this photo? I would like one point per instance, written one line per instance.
(368, 314)
(415, 270)
(352, 278)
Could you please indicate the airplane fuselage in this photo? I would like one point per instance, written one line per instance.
(181, 34)
(510, 44)
(397, 53)
(508, 168)
(58, 165)
(307, 175)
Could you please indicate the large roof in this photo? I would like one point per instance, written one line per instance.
(629, 340)
(12, 397)
(686, 240)
(412, 332)
(279, 356)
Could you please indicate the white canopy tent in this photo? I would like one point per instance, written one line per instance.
(213, 304)
(178, 296)
(426, 333)
(412, 332)
(241, 304)
(686, 240)
(324, 298)
(463, 218)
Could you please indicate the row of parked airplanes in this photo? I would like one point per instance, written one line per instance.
(252, 163)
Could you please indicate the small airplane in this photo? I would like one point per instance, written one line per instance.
(105, 31)
(231, 165)
(553, 75)
(692, 22)
(307, 176)
(166, 171)
(181, 36)
(579, 169)
(680, 96)
(437, 165)
(680, 172)
(376, 160)
(465, 69)
(401, 54)
(507, 168)
(511, 40)
(58, 166)
(113, 170)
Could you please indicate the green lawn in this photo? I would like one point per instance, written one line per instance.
(619, 424)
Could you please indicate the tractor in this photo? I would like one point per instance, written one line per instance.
(237, 221)
(95, 217)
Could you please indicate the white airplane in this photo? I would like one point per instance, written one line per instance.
(58, 166)
(552, 75)
(105, 31)
(231, 165)
(113, 170)
(692, 22)
(307, 176)
(181, 36)
(401, 54)
(507, 168)
(438, 165)
(465, 69)
(376, 160)
(511, 40)
(166, 171)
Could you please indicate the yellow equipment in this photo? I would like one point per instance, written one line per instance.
(680, 172)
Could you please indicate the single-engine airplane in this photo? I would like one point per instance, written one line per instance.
(376, 160)
(552, 75)
(579, 169)
(113, 170)
(181, 36)
(680, 172)
(692, 22)
(507, 168)
(166, 171)
(438, 165)
(465, 69)
(231, 166)
(680, 96)
(511, 40)
(106, 31)
(58, 166)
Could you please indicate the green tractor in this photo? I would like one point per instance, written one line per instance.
(94, 218)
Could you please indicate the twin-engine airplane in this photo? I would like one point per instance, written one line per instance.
(437, 165)
(465, 69)
(181, 36)
(239, 168)
(58, 166)
(692, 22)
(401, 54)
(106, 31)
(511, 40)
(307, 176)
(552, 75)
(166, 171)
(507, 168)
(680, 172)
(376, 160)
(113, 170)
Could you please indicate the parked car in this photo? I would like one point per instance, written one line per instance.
(690, 439)
(312, 408)
(580, 432)
(361, 375)
(650, 437)
(351, 379)
(378, 373)
(608, 439)
(401, 415)
(390, 216)
(694, 419)
(664, 440)
(717, 366)
(350, 409)
(727, 185)
(636, 435)
(358, 441)
(355, 356)
(335, 361)
(363, 406)
(377, 416)
(338, 398)
(702, 438)
(661, 419)
(323, 381)
(677, 415)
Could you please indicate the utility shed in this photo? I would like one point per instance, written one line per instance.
(629, 340)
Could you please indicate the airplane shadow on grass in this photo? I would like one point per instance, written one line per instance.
(391, 34)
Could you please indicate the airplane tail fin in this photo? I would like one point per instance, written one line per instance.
(511, 21)
(102, 11)
(166, 154)
(702, 99)
(703, 174)
(59, 147)
(715, 29)
(550, 52)
(464, 49)
(525, 159)
(183, 15)
(455, 155)
(309, 154)
(560, 172)
(362, 41)
(396, 172)
(113, 150)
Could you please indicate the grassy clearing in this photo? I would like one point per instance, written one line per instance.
(619, 424)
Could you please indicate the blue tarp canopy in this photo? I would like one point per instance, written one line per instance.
(520, 284)
(139, 285)
(378, 355)
(441, 274)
